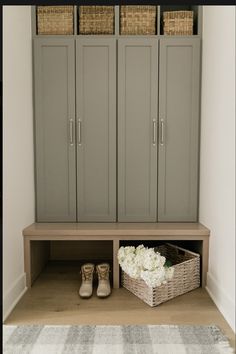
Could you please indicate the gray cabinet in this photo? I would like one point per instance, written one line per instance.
(54, 96)
(178, 129)
(113, 142)
(137, 129)
(96, 129)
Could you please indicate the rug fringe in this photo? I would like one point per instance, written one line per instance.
(223, 343)
(225, 348)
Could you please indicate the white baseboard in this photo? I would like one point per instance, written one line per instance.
(13, 295)
(225, 305)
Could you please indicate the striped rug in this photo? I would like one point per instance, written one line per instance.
(147, 339)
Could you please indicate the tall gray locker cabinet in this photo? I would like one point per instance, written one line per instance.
(54, 76)
(137, 129)
(178, 129)
(96, 129)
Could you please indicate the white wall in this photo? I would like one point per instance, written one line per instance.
(217, 163)
(18, 177)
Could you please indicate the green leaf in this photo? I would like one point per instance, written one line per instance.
(168, 264)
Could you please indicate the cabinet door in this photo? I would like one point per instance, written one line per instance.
(179, 125)
(54, 71)
(96, 129)
(137, 115)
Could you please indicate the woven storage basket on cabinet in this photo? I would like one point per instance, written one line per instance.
(178, 22)
(96, 19)
(186, 277)
(137, 20)
(55, 19)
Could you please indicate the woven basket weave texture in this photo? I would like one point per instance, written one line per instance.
(96, 19)
(137, 20)
(178, 22)
(55, 20)
(186, 277)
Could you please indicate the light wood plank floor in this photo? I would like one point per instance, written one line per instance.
(54, 299)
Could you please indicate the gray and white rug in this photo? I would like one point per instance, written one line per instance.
(158, 339)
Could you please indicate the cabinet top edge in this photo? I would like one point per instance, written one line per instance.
(71, 36)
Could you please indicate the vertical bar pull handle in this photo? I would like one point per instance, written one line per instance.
(162, 133)
(71, 132)
(79, 132)
(154, 132)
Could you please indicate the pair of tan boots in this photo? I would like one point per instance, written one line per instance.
(87, 271)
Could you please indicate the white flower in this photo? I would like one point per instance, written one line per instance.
(132, 271)
(140, 249)
(129, 249)
(144, 263)
(169, 272)
(124, 252)
(121, 254)
(153, 278)
(139, 258)
(153, 259)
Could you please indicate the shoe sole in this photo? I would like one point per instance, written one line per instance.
(85, 297)
(103, 297)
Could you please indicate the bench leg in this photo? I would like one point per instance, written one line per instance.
(116, 268)
(205, 259)
(27, 261)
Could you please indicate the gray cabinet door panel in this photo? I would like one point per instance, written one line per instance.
(137, 108)
(54, 95)
(96, 111)
(179, 118)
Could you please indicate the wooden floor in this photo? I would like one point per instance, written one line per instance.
(54, 299)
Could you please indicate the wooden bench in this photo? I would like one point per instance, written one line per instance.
(36, 252)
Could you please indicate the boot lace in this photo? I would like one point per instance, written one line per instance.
(103, 274)
(87, 274)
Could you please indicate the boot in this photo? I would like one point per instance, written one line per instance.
(86, 288)
(104, 288)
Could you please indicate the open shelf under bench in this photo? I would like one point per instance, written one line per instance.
(37, 249)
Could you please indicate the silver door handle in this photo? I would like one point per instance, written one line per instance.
(162, 132)
(79, 132)
(154, 132)
(71, 126)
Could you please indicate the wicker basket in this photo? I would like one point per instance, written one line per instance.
(178, 22)
(96, 19)
(137, 20)
(186, 277)
(55, 19)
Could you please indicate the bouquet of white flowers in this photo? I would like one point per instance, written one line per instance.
(144, 263)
